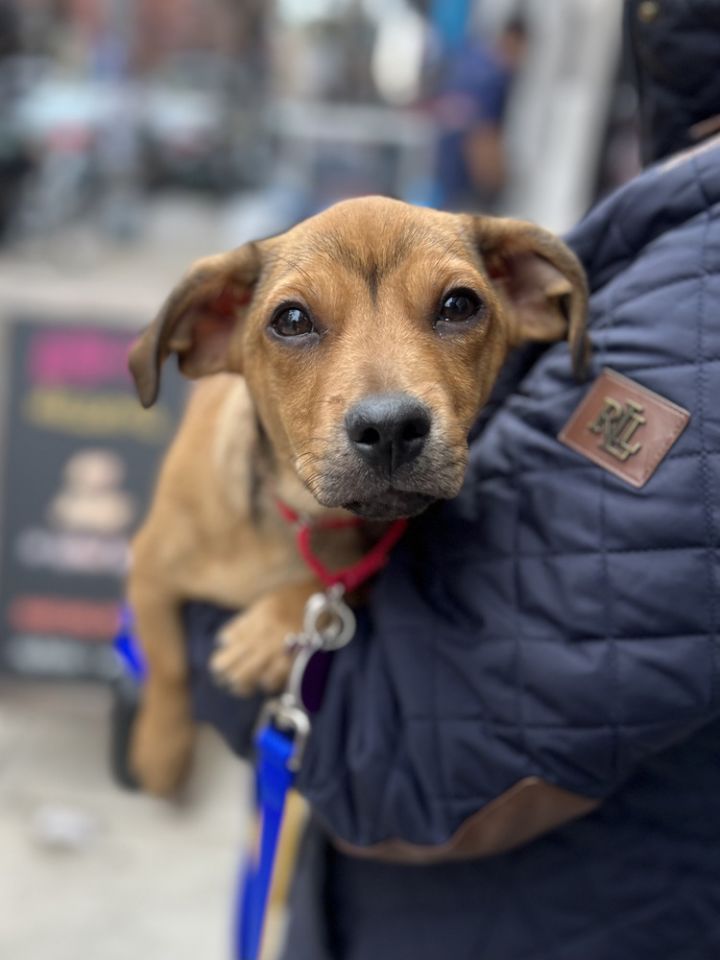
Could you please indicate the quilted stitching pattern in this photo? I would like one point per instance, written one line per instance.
(552, 620)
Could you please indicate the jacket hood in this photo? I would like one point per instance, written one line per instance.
(675, 47)
(666, 195)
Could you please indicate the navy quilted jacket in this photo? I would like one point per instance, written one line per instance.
(552, 621)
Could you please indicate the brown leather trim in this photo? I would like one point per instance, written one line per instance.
(527, 810)
(624, 427)
(679, 158)
(705, 128)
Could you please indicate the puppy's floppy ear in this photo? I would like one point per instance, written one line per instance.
(197, 320)
(540, 281)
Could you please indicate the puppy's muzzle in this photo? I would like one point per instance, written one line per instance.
(388, 430)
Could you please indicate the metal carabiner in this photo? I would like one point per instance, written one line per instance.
(329, 622)
(287, 715)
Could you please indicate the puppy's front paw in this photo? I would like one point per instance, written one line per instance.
(161, 751)
(252, 653)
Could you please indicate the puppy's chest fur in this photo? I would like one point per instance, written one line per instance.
(214, 532)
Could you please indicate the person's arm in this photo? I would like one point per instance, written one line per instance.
(233, 717)
(484, 152)
(542, 635)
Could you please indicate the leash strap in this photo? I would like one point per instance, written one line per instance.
(127, 648)
(274, 780)
(283, 730)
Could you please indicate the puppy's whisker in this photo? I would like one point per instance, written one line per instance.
(321, 441)
(307, 460)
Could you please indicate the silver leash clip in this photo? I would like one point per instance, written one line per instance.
(328, 625)
(328, 622)
(287, 714)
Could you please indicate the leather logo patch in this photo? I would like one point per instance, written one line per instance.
(623, 427)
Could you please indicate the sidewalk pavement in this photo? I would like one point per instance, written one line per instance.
(87, 871)
(90, 278)
(91, 872)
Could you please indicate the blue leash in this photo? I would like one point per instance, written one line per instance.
(283, 730)
(127, 648)
(274, 779)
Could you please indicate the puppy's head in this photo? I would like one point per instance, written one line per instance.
(370, 336)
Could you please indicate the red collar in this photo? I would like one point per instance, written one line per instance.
(358, 573)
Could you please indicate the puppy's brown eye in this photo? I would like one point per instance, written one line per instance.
(459, 306)
(292, 322)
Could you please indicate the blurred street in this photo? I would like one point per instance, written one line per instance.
(86, 275)
(89, 869)
(92, 871)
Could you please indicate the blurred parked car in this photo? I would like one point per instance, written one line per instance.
(58, 121)
(193, 122)
(18, 73)
(86, 139)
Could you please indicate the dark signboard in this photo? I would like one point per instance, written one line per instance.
(79, 461)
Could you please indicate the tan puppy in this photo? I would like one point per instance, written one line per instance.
(368, 338)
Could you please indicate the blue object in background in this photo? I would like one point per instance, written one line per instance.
(449, 19)
(127, 647)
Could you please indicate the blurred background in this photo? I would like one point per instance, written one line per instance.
(135, 136)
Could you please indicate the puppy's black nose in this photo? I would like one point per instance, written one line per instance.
(388, 429)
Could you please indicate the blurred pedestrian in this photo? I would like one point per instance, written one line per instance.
(15, 157)
(469, 109)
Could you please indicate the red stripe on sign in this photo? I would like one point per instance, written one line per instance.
(83, 619)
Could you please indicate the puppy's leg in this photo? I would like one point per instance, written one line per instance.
(252, 652)
(162, 739)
